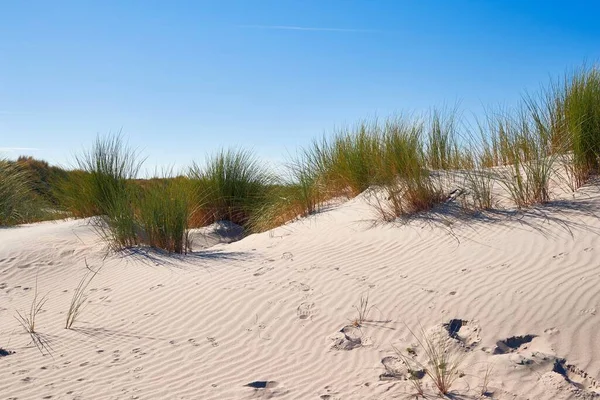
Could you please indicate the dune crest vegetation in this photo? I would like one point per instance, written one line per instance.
(405, 164)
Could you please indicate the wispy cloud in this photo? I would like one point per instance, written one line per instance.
(305, 28)
(13, 149)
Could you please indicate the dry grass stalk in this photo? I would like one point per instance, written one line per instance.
(363, 309)
(442, 365)
(80, 297)
(28, 321)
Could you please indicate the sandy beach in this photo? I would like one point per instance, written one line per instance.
(276, 310)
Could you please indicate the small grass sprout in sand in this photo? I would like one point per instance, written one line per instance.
(80, 297)
(28, 320)
(442, 363)
(363, 309)
(415, 372)
(485, 383)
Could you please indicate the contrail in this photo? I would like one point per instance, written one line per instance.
(304, 28)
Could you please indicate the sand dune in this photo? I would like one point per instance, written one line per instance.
(262, 317)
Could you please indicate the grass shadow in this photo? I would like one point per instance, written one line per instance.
(158, 257)
(567, 214)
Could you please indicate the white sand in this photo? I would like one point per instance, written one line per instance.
(270, 308)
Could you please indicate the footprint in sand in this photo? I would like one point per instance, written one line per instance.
(512, 344)
(348, 338)
(306, 310)
(212, 341)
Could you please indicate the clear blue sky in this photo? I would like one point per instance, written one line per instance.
(182, 79)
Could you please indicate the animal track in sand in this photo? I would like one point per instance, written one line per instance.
(212, 341)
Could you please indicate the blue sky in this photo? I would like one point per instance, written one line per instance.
(183, 79)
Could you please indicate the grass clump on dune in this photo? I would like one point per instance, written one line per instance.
(125, 212)
(347, 164)
(577, 116)
(391, 156)
(107, 188)
(408, 185)
(166, 206)
(232, 185)
(18, 202)
(13, 192)
(442, 150)
(299, 197)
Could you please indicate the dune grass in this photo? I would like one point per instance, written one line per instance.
(80, 297)
(348, 163)
(165, 209)
(408, 165)
(13, 192)
(29, 321)
(105, 190)
(529, 163)
(443, 363)
(577, 112)
(408, 186)
(443, 150)
(232, 185)
(18, 202)
(124, 212)
(298, 196)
